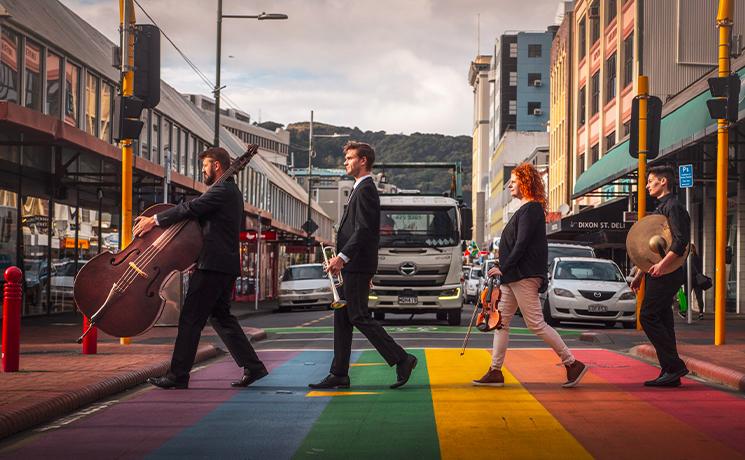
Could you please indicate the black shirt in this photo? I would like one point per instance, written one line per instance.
(679, 220)
(523, 248)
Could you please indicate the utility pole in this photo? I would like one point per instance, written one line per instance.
(216, 142)
(127, 45)
(310, 179)
(724, 24)
(641, 188)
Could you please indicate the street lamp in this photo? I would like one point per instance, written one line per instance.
(218, 88)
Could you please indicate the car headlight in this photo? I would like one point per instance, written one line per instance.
(563, 292)
(628, 295)
(285, 291)
(450, 294)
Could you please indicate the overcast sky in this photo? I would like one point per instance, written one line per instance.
(394, 65)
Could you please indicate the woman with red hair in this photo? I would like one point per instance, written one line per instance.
(523, 254)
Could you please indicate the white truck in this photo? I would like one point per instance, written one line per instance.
(420, 257)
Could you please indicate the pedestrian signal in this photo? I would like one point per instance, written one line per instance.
(726, 93)
(654, 117)
(126, 123)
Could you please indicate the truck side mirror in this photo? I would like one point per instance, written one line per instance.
(466, 218)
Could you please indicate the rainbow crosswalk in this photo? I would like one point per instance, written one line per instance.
(439, 414)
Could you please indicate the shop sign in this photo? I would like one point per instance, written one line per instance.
(266, 235)
(298, 249)
(82, 243)
(585, 225)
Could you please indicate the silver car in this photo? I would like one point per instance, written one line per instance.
(304, 285)
(474, 282)
(583, 289)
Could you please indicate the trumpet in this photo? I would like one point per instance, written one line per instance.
(336, 280)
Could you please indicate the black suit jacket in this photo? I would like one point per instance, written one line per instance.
(359, 229)
(219, 211)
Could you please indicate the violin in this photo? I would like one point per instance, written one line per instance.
(486, 311)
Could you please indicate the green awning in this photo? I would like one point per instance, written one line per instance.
(679, 128)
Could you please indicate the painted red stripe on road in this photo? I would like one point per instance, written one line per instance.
(607, 420)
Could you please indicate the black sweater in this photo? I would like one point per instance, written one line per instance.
(523, 248)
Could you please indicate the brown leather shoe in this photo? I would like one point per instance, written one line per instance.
(575, 372)
(492, 378)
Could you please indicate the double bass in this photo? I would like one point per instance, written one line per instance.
(120, 293)
(486, 311)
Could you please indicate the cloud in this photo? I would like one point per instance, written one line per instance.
(395, 65)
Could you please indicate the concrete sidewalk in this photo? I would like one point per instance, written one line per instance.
(723, 364)
(55, 378)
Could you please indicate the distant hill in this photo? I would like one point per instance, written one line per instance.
(389, 148)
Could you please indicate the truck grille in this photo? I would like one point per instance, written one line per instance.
(424, 276)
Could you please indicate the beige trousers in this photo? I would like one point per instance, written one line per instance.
(524, 293)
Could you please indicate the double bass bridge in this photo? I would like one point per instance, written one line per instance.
(138, 270)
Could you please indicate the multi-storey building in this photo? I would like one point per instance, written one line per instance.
(478, 76)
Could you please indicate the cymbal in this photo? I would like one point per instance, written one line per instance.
(649, 240)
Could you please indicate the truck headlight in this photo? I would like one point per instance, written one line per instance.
(563, 292)
(628, 295)
(450, 294)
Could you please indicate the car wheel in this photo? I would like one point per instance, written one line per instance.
(629, 325)
(610, 324)
(454, 317)
(550, 320)
(378, 315)
(442, 315)
(284, 309)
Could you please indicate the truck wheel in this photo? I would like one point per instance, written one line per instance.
(550, 320)
(454, 317)
(442, 315)
(629, 324)
(378, 315)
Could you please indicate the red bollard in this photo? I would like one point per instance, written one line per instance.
(12, 319)
(90, 341)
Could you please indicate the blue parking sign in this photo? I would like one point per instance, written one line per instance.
(685, 176)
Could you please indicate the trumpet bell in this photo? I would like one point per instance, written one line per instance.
(337, 304)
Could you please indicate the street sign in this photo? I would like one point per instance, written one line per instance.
(685, 176)
(309, 227)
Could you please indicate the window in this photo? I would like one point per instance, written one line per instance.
(513, 107)
(156, 140)
(627, 128)
(91, 104)
(582, 38)
(628, 60)
(534, 108)
(594, 16)
(9, 84)
(52, 106)
(167, 160)
(582, 105)
(534, 51)
(104, 130)
(33, 76)
(513, 78)
(513, 50)
(595, 88)
(594, 154)
(184, 148)
(610, 78)
(534, 79)
(72, 93)
(610, 141)
(580, 164)
(610, 11)
(145, 135)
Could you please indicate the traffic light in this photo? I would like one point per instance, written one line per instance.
(126, 123)
(654, 117)
(726, 93)
(147, 64)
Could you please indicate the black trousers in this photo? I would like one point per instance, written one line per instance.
(355, 314)
(209, 296)
(657, 318)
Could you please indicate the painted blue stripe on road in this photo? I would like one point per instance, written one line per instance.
(269, 419)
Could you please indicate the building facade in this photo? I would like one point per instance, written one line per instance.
(478, 78)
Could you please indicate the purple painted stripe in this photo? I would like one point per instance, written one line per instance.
(137, 426)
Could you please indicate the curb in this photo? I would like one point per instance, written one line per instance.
(19, 420)
(595, 337)
(255, 334)
(706, 370)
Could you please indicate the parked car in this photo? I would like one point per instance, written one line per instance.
(304, 285)
(584, 289)
(36, 274)
(568, 250)
(474, 283)
(63, 277)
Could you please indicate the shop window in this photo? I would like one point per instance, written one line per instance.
(104, 129)
(595, 98)
(9, 84)
(36, 240)
(53, 66)
(91, 104)
(534, 51)
(33, 76)
(610, 78)
(8, 229)
(628, 60)
(72, 93)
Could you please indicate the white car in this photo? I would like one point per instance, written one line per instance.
(584, 289)
(304, 285)
(474, 283)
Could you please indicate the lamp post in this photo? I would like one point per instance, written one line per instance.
(220, 16)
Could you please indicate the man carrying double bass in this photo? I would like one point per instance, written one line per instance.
(656, 314)
(219, 211)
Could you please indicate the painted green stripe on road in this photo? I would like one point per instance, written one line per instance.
(394, 424)
(409, 330)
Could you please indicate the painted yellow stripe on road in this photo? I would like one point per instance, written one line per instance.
(486, 422)
(321, 394)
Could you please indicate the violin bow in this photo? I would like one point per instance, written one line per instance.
(470, 326)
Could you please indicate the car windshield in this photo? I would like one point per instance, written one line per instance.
(415, 227)
(68, 268)
(313, 272)
(475, 274)
(568, 251)
(588, 271)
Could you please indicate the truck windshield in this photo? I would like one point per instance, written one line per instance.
(417, 227)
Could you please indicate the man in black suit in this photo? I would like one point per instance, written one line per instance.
(359, 232)
(220, 212)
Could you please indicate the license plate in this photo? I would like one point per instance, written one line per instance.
(597, 308)
(408, 300)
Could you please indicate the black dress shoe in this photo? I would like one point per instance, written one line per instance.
(167, 383)
(249, 377)
(331, 381)
(403, 370)
(667, 379)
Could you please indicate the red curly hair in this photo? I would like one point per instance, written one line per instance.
(530, 183)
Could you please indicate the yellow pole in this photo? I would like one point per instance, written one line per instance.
(126, 144)
(724, 23)
(642, 92)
